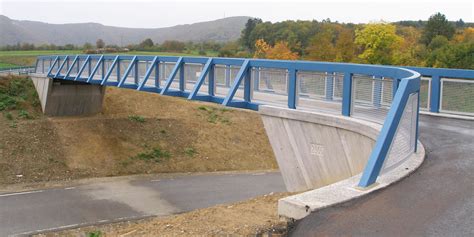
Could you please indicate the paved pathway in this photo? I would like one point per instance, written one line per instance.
(437, 200)
(26, 212)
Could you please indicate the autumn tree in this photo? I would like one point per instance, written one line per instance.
(437, 25)
(378, 42)
(321, 47)
(345, 47)
(279, 51)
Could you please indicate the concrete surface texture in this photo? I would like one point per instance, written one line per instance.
(436, 200)
(122, 198)
(63, 98)
(316, 149)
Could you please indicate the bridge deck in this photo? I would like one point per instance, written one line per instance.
(437, 200)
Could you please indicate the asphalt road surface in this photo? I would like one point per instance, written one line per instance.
(437, 200)
(29, 212)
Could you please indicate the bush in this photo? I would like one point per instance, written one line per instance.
(156, 155)
(136, 118)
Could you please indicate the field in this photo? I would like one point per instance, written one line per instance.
(9, 59)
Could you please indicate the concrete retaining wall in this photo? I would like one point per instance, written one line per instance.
(66, 98)
(316, 149)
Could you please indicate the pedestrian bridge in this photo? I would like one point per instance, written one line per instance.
(341, 129)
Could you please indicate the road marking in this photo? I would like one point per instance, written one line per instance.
(22, 193)
(69, 188)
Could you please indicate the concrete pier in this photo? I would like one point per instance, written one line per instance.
(68, 98)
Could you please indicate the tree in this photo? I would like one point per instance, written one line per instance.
(378, 42)
(345, 47)
(437, 25)
(147, 43)
(87, 46)
(453, 56)
(245, 35)
(99, 44)
(261, 49)
(279, 51)
(465, 36)
(321, 47)
(438, 42)
(173, 46)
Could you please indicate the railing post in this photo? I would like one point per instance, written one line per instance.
(157, 74)
(292, 88)
(256, 82)
(248, 85)
(182, 85)
(227, 75)
(435, 93)
(377, 91)
(136, 72)
(395, 83)
(212, 82)
(347, 94)
(329, 86)
(118, 69)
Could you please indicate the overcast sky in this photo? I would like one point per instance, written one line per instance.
(153, 14)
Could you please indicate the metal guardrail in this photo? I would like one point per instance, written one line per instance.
(448, 91)
(19, 69)
(383, 94)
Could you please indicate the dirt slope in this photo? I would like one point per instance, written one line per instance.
(136, 133)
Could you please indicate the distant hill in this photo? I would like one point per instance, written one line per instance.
(16, 31)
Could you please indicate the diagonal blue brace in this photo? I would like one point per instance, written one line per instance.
(238, 79)
(148, 73)
(170, 79)
(109, 72)
(72, 66)
(91, 75)
(125, 74)
(52, 66)
(83, 67)
(61, 67)
(201, 80)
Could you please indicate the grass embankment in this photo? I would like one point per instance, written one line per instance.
(137, 133)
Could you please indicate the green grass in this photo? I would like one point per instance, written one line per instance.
(136, 118)
(97, 233)
(190, 151)
(156, 155)
(215, 115)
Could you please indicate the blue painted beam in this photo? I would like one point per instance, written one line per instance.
(72, 66)
(347, 94)
(61, 67)
(127, 71)
(92, 73)
(170, 79)
(86, 62)
(109, 72)
(292, 84)
(148, 73)
(238, 79)
(202, 78)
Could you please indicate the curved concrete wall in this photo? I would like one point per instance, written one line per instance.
(316, 149)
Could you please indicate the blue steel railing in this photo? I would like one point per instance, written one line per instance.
(85, 68)
(435, 75)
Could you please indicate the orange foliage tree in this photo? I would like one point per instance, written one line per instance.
(279, 51)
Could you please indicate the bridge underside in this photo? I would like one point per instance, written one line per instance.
(68, 98)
